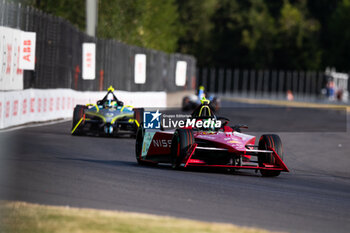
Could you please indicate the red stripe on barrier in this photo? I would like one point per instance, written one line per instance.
(69, 102)
(32, 102)
(15, 108)
(45, 105)
(58, 103)
(9, 58)
(19, 71)
(63, 102)
(39, 105)
(51, 105)
(24, 107)
(7, 109)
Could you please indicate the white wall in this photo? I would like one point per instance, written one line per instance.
(35, 105)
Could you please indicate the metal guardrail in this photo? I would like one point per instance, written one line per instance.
(265, 84)
(59, 56)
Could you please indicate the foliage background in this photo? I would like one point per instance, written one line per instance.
(259, 34)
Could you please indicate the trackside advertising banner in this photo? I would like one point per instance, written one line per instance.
(140, 69)
(17, 52)
(34, 105)
(27, 58)
(89, 61)
(180, 75)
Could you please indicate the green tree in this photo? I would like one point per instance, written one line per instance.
(195, 18)
(259, 35)
(225, 36)
(297, 47)
(72, 10)
(145, 23)
(339, 27)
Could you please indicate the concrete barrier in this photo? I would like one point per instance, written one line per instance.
(35, 105)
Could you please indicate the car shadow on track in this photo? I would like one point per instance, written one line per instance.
(120, 163)
(103, 162)
(223, 171)
(98, 135)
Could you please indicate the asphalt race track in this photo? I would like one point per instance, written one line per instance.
(47, 165)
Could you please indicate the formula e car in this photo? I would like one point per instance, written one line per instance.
(191, 102)
(108, 117)
(220, 146)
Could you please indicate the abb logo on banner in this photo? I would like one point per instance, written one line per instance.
(15, 108)
(19, 71)
(58, 104)
(45, 104)
(51, 105)
(88, 60)
(9, 58)
(89, 57)
(7, 109)
(24, 107)
(63, 100)
(140, 69)
(180, 73)
(27, 61)
(69, 102)
(32, 102)
(39, 105)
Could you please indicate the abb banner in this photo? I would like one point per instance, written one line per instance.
(11, 75)
(27, 58)
(140, 69)
(35, 105)
(15, 46)
(89, 60)
(180, 73)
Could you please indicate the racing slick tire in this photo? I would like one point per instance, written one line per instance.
(215, 104)
(138, 145)
(186, 105)
(78, 113)
(139, 141)
(138, 118)
(269, 141)
(181, 142)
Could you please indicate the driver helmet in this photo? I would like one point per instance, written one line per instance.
(203, 111)
(110, 104)
(201, 93)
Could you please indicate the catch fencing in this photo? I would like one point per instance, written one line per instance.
(268, 84)
(59, 57)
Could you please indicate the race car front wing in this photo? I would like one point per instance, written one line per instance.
(189, 161)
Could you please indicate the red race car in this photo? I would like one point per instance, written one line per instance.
(211, 145)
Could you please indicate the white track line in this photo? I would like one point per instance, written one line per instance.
(31, 125)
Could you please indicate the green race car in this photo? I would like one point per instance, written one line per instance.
(108, 117)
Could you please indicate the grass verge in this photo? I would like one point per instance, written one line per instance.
(33, 218)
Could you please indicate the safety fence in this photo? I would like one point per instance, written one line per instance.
(275, 84)
(58, 62)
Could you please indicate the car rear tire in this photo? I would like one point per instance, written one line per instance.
(186, 103)
(182, 140)
(78, 113)
(269, 141)
(138, 145)
(215, 104)
(138, 117)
